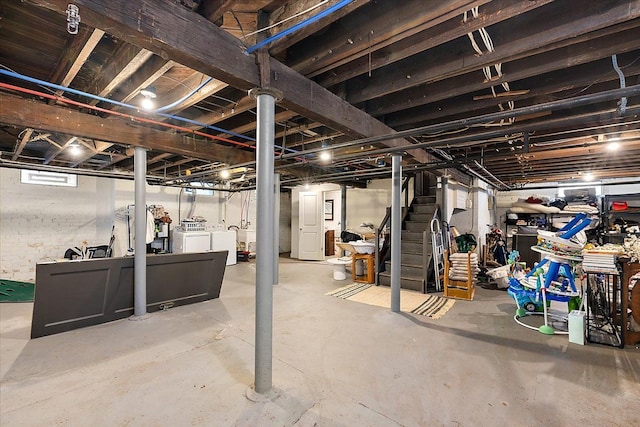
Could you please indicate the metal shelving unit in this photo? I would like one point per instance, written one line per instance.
(604, 309)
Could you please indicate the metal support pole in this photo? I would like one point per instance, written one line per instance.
(140, 246)
(276, 228)
(396, 224)
(265, 237)
(343, 207)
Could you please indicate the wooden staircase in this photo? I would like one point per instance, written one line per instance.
(414, 248)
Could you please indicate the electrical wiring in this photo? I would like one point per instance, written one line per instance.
(42, 86)
(298, 26)
(288, 19)
(488, 43)
(184, 98)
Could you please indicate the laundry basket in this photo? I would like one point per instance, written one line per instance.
(500, 275)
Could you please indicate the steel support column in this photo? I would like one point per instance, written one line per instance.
(276, 228)
(140, 230)
(265, 236)
(396, 224)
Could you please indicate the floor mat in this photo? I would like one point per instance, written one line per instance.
(12, 291)
(431, 306)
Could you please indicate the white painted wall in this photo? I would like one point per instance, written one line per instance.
(364, 205)
(474, 199)
(38, 223)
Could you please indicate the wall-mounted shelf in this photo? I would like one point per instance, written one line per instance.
(610, 216)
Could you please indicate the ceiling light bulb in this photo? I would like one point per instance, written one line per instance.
(306, 186)
(613, 146)
(224, 174)
(588, 176)
(75, 149)
(325, 156)
(147, 104)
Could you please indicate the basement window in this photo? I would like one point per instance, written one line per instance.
(200, 189)
(48, 178)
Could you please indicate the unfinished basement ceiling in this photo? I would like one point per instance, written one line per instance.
(466, 80)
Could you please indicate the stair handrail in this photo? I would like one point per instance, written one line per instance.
(437, 249)
(384, 224)
(425, 243)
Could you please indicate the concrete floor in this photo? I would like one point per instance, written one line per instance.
(335, 363)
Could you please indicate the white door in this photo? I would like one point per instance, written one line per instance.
(311, 239)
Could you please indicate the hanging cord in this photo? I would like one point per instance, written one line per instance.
(287, 19)
(623, 100)
(488, 43)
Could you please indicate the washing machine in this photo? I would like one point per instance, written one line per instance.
(225, 240)
(191, 241)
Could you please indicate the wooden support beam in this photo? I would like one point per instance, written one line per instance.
(214, 9)
(401, 46)
(290, 9)
(575, 78)
(187, 87)
(127, 60)
(535, 65)
(69, 66)
(26, 136)
(93, 149)
(211, 118)
(251, 126)
(548, 33)
(53, 153)
(202, 46)
(16, 111)
(371, 29)
(146, 75)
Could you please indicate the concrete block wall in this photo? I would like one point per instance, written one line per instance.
(39, 223)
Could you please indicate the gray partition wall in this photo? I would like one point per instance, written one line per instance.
(75, 294)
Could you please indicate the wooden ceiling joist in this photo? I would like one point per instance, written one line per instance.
(15, 110)
(206, 48)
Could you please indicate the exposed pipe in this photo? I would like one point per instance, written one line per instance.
(114, 102)
(298, 26)
(184, 98)
(178, 118)
(623, 100)
(462, 123)
(119, 114)
(12, 164)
